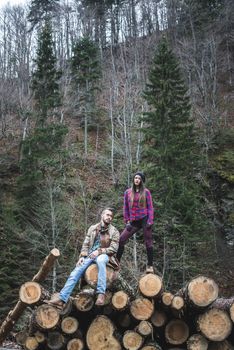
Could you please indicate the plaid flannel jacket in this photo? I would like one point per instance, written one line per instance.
(133, 212)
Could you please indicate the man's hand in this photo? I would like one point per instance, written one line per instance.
(80, 261)
(94, 254)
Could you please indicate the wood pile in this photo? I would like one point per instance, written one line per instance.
(150, 319)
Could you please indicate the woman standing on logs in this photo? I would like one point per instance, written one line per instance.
(138, 213)
(101, 243)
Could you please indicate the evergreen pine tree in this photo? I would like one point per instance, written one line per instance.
(42, 151)
(40, 10)
(171, 158)
(45, 81)
(86, 72)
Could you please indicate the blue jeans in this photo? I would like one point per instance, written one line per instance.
(77, 273)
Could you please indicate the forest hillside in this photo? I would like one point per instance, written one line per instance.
(92, 91)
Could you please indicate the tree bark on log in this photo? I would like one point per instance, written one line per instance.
(176, 332)
(100, 335)
(215, 324)
(151, 346)
(14, 314)
(150, 285)
(21, 337)
(197, 342)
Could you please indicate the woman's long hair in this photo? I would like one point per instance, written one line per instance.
(142, 196)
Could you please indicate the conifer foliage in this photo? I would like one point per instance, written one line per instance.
(170, 155)
(45, 82)
(85, 76)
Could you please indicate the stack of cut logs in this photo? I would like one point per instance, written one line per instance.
(151, 319)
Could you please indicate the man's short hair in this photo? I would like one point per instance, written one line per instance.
(110, 209)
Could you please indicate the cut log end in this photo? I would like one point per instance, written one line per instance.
(215, 324)
(177, 303)
(100, 335)
(31, 343)
(132, 340)
(176, 332)
(91, 275)
(55, 252)
(69, 325)
(46, 316)
(159, 318)
(150, 285)
(144, 328)
(75, 344)
(83, 301)
(142, 309)
(120, 300)
(202, 291)
(197, 342)
(167, 298)
(30, 292)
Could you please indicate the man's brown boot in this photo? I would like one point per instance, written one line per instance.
(100, 300)
(56, 301)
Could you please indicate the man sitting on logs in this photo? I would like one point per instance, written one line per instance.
(100, 243)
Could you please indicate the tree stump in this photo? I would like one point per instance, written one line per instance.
(46, 316)
(141, 309)
(100, 335)
(31, 293)
(150, 285)
(75, 344)
(91, 275)
(176, 332)
(202, 291)
(69, 325)
(215, 324)
(159, 318)
(132, 340)
(144, 328)
(197, 342)
(120, 300)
